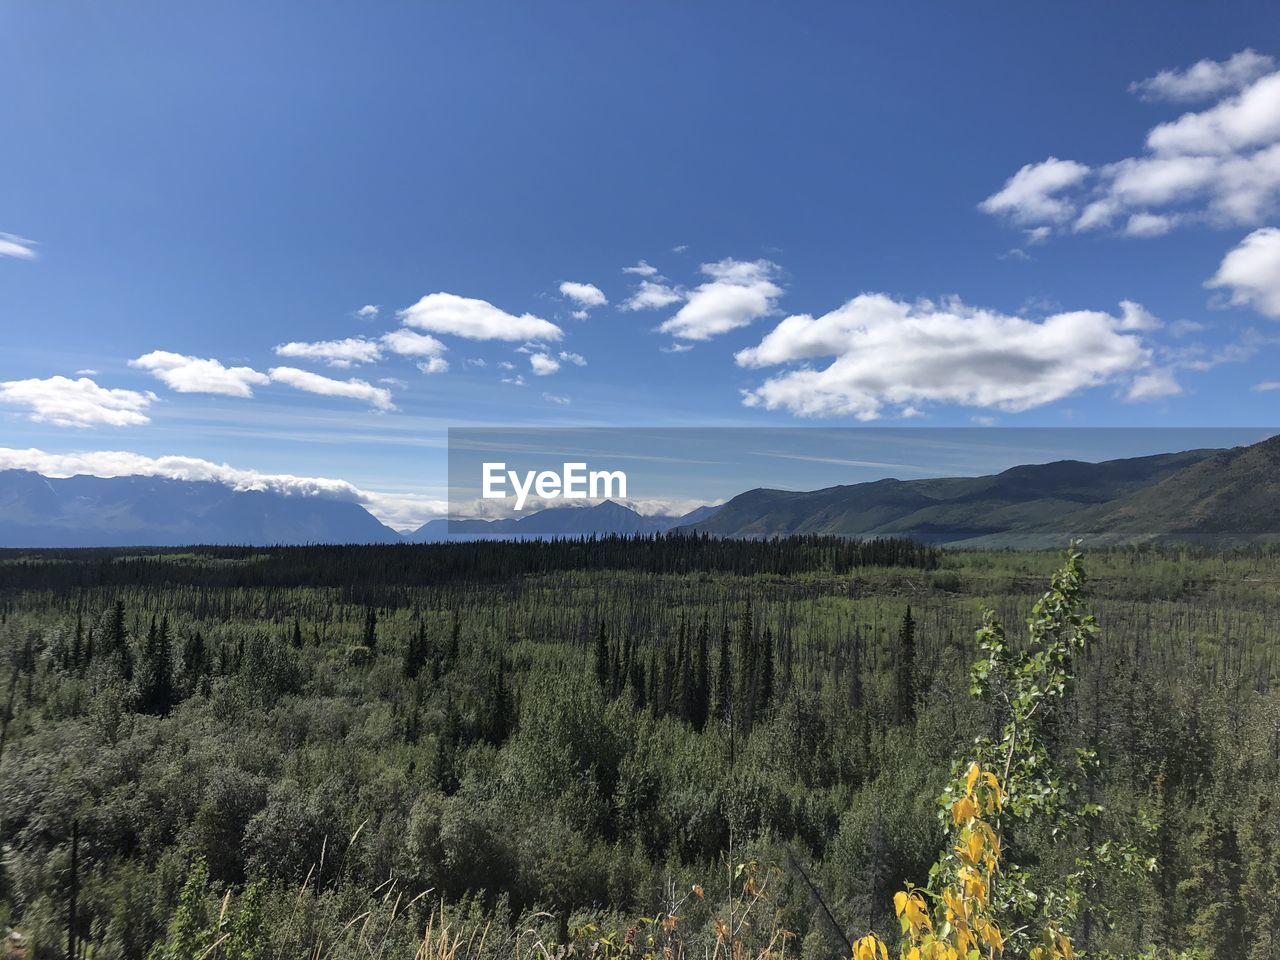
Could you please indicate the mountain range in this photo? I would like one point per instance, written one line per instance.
(1196, 494)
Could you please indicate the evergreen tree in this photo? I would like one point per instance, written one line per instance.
(195, 660)
(370, 638)
(116, 642)
(155, 678)
(724, 675)
(764, 674)
(297, 634)
(449, 739)
(416, 652)
(700, 700)
(905, 670)
(602, 662)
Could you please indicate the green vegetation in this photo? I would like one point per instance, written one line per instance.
(672, 745)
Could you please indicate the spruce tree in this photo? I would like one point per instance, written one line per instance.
(701, 680)
(724, 675)
(155, 679)
(905, 670)
(370, 639)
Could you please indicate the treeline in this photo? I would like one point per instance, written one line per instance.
(580, 747)
(376, 567)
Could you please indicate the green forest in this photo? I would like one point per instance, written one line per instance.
(669, 746)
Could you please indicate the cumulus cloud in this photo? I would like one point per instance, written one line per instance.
(403, 511)
(64, 402)
(1208, 78)
(377, 397)
(584, 294)
(12, 245)
(1154, 385)
(336, 353)
(893, 356)
(642, 269)
(1032, 195)
(186, 374)
(1219, 165)
(1251, 272)
(736, 293)
(434, 365)
(475, 319)
(543, 364)
(557, 399)
(577, 359)
(652, 295)
(410, 343)
(368, 312)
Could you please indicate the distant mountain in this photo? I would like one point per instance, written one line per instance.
(1031, 504)
(600, 520)
(82, 511)
(1231, 494)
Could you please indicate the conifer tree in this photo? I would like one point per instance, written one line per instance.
(701, 680)
(155, 679)
(370, 638)
(724, 675)
(905, 670)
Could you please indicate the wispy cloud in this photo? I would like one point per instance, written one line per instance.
(336, 353)
(11, 245)
(377, 397)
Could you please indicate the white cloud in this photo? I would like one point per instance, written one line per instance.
(557, 399)
(585, 294)
(197, 375)
(76, 403)
(1208, 78)
(641, 269)
(1150, 224)
(377, 397)
(1134, 316)
(543, 364)
(87, 372)
(1219, 165)
(677, 347)
(736, 293)
(403, 511)
(1267, 386)
(1032, 194)
(368, 312)
(890, 353)
(336, 353)
(507, 365)
(12, 245)
(475, 319)
(476, 362)
(576, 359)
(410, 343)
(1251, 272)
(434, 365)
(516, 381)
(651, 295)
(1154, 385)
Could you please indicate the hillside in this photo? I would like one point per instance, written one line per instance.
(1038, 498)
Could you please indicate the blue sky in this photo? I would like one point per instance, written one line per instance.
(185, 190)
